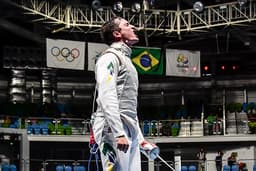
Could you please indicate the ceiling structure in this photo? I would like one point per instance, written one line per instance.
(223, 31)
(222, 28)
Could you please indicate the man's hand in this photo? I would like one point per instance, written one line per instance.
(122, 143)
(149, 149)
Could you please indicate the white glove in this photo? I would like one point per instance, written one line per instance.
(150, 150)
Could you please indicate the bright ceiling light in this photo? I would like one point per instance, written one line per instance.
(198, 6)
(118, 6)
(242, 2)
(136, 8)
(96, 5)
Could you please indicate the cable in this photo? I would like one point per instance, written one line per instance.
(93, 151)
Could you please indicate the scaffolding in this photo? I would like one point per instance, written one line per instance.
(82, 18)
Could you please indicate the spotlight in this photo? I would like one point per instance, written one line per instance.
(118, 6)
(198, 6)
(96, 5)
(206, 68)
(223, 67)
(136, 8)
(242, 2)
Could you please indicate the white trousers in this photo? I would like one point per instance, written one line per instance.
(129, 161)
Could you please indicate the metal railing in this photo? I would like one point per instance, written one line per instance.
(150, 128)
(210, 165)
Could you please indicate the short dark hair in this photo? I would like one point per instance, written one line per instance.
(108, 28)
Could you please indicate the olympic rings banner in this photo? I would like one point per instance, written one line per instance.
(65, 54)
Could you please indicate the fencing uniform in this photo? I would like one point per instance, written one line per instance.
(116, 114)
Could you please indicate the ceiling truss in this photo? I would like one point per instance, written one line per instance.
(84, 19)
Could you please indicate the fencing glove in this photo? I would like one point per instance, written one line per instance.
(149, 150)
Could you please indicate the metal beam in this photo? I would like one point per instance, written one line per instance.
(82, 18)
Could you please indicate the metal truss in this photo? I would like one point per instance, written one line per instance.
(154, 21)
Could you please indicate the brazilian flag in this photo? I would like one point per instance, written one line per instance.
(147, 60)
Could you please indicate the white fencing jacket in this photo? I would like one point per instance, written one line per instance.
(117, 86)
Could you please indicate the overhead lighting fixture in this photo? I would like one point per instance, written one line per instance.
(198, 6)
(242, 2)
(96, 5)
(136, 8)
(118, 6)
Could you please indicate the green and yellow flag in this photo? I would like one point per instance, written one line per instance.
(147, 60)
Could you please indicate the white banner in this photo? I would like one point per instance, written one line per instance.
(94, 51)
(183, 63)
(65, 54)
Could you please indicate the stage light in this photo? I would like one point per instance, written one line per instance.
(118, 6)
(96, 5)
(136, 8)
(223, 67)
(198, 6)
(242, 2)
(206, 68)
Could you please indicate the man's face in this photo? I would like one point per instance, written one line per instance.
(127, 34)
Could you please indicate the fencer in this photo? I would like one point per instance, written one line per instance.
(115, 123)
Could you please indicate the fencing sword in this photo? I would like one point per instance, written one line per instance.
(165, 163)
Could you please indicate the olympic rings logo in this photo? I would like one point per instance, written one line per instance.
(65, 53)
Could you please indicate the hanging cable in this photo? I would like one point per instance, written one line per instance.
(93, 152)
(93, 146)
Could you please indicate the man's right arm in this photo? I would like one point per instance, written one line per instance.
(106, 75)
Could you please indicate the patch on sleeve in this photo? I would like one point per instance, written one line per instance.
(111, 68)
